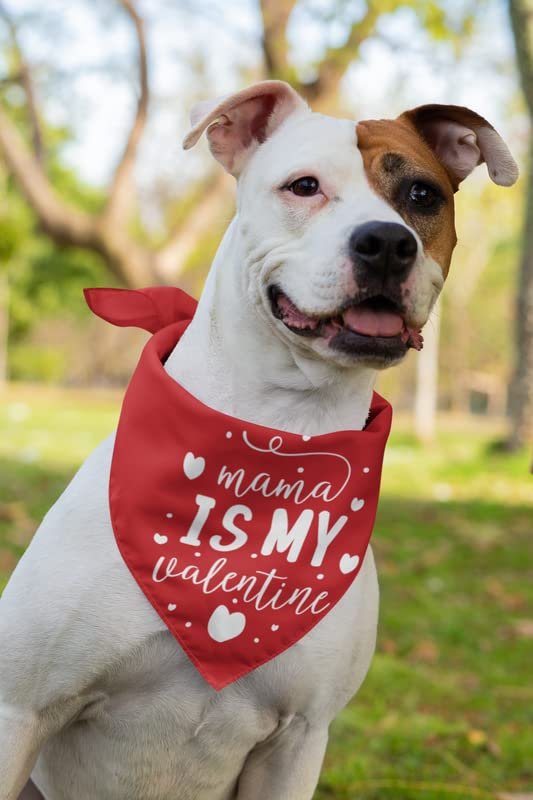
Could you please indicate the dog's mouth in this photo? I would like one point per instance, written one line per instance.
(373, 327)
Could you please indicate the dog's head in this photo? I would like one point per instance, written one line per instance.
(346, 229)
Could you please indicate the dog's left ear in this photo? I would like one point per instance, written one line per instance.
(238, 123)
(462, 139)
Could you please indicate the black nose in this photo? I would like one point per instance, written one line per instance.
(384, 248)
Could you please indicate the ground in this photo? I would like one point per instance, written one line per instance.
(446, 710)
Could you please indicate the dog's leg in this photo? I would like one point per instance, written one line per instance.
(286, 766)
(21, 741)
(39, 695)
(22, 735)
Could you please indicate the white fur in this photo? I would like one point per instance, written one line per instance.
(90, 677)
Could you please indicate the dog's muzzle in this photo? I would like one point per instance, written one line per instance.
(373, 325)
(382, 252)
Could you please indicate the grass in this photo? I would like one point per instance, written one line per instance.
(446, 708)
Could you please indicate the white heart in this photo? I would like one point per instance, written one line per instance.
(274, 627)
(160, 539)
(348, 563)
(224, 625)
(171, 606)
(357, 504)
(306, 438)
(193, 466)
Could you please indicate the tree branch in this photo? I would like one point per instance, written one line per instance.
(36, 131)
(9, 80)
(276, 14)
(66, 225)
(521, 14)
(62, 222)
(107, 233)
(172, 257)
(25, 79)
(121, 190)
(336, 61)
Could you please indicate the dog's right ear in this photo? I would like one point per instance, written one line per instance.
(238, 123)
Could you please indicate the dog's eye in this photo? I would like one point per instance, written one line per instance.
(304, 187)
(423, 195)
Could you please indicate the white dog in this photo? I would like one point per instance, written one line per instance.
(339, 248)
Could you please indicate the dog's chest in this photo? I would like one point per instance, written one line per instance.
(151, 725)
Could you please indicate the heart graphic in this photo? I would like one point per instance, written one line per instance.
(193, 466)
(171, 606)
(357, 504)
(274, 627)
(160, 539)
(348, 563)
(224, 625)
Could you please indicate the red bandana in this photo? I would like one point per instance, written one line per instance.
(242, 537)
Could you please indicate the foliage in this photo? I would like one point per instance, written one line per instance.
(447, 703)
(15, 221)
(45, 280)
(37, 363)
(45, 283)
(478, 298)
(48, 283)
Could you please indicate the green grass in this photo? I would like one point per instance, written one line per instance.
(446, 708)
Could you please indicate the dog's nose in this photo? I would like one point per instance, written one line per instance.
(385, 248)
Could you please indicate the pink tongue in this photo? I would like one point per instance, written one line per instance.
(373, 323)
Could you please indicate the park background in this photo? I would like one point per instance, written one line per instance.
(96, 190)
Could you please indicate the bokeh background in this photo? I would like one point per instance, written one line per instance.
(95, 190)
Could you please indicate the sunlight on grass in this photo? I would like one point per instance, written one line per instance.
(52, 427)
(446, 708)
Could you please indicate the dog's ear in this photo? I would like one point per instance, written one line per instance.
(462, 139)
(238, 123)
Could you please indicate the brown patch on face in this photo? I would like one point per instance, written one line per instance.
(395, 156)
(393, 162)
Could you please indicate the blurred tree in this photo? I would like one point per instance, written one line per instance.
(14, 235)
(39, 279)
(479, 297)
(361, 21)
(427, 379)
(108, 231)
(110, 224)
(521, 389)
(8, 240)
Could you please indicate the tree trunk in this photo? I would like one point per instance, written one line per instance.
(521, 388)
(457, 358)
(427, 377)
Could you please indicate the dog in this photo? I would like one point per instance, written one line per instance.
(340, 245)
